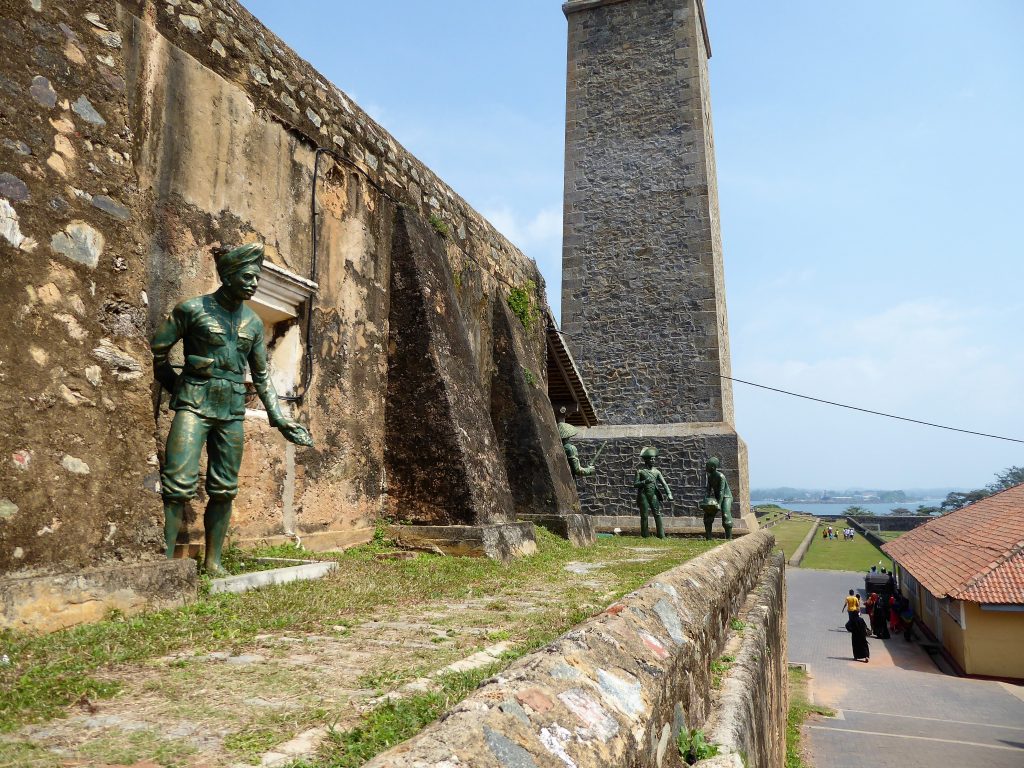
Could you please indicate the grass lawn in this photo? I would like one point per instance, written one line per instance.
(841, 555)
(799, 710)
(154, 670)
(789, 534)
(890, 535)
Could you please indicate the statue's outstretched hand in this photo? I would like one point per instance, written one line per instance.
(295, 433)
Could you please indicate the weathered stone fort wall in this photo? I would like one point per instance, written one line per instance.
(618, 689)
(135, 136)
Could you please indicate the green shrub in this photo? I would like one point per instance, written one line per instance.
(694, 747)
(521, 302)
(440, 226)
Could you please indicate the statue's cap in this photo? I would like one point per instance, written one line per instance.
(567, 430)
(230, 261)
(650, 450)
(713, 462)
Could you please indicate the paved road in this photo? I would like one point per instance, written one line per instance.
(899, 710)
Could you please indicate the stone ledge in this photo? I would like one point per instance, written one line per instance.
(798, 554)
(575, 6)
(578, 529)
(502, 541)
(246, 581)
(683, 525)
(615, 690)
(47, 603)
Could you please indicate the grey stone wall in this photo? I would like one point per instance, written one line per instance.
(681, 459)
(643, 296)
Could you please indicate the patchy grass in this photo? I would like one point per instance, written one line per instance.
(789, 534)
(48, 673)
(890, 535)
(858, 554)
(396, 721)
(139, 745)
(800, 708)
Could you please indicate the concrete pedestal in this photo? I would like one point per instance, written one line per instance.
(501, 541)
(578, 529)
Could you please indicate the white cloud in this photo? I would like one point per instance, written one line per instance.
(925, 359)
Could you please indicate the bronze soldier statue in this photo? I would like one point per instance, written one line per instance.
(567, 432)
(221, 335)
(650, 486)
(718, 497)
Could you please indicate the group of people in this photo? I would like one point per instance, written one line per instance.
(889, 614)
(831, 533)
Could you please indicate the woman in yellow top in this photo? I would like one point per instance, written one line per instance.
(852, 607)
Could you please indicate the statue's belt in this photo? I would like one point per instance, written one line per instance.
(204, 368)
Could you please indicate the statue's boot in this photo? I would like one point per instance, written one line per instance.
(728, 532)
(659, 526)
(174, 513)
(645, 531)
(708, 523)
(215, 523)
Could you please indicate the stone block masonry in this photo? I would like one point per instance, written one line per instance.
(617, 689)
(643, 291)
(134, 136)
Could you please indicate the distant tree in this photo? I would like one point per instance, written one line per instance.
(1008, 478)
(957, 500)
(924, 511)
(901, 511)
(855, 510)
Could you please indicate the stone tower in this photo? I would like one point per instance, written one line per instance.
(643, 291)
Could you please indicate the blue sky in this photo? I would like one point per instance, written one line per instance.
(870, 172)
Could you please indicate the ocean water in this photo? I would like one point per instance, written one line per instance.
(834, 510)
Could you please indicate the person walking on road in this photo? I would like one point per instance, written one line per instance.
(859, 629)
(852, 607)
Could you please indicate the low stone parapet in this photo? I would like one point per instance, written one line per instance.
(48, 602)
(617, 689)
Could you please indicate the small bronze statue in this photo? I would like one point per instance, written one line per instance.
(567, 432)
(221, 335)
(718, 497)
(649, 484)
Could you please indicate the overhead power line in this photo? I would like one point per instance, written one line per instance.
(868, 410)
(849, 407)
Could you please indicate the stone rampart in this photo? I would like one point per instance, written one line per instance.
(136, 135)
(617, 689)
(889, 522)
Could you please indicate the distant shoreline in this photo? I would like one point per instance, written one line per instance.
(838, 503)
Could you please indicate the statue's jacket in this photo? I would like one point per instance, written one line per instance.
(218, 344)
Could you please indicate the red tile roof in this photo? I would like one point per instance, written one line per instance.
(974, 554)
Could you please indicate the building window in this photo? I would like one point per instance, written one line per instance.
(281, 301)
(954, 609)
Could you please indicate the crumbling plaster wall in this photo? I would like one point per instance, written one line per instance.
(135, 136)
